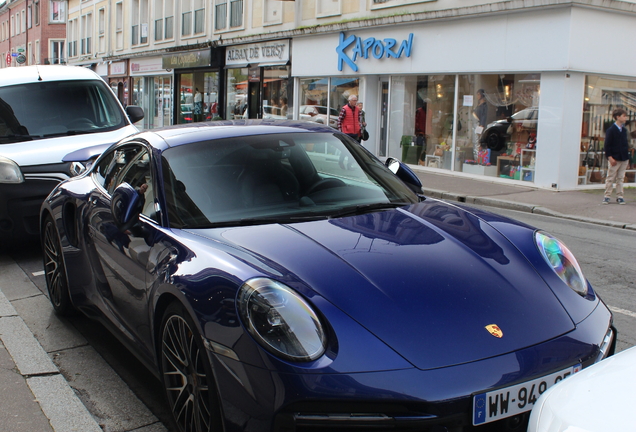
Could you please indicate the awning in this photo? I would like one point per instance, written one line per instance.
(237, 66)
(280, 63)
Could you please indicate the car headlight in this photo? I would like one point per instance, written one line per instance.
(10, 171)
(562, 262)
(281, 320)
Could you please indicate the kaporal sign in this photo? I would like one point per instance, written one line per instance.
(378, 48)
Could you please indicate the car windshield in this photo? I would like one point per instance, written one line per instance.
(277, 178)
(45, 109)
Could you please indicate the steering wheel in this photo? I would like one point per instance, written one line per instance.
(327, 183)
(80, 122)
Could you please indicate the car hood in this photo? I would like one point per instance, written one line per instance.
(426, 279)
(54, 150)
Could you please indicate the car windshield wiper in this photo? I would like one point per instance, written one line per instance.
(366, 208)
(69, 133)
(259, 221)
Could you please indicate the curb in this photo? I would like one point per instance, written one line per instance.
(528, 208)
(56, 397)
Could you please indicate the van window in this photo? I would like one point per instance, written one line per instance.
(44, 109)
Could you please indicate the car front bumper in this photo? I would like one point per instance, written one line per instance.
(20, 203)
(408, 399)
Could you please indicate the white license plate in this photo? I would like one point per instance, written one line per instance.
(516, 399)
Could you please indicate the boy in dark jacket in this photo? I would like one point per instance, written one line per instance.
(617, 152)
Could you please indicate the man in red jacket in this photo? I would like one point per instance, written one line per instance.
(349, 123)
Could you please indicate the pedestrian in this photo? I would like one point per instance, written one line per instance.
(363, 121)
(617, 153)
(349, 123)
(198, 105)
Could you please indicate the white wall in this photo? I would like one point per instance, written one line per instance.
(559, 133)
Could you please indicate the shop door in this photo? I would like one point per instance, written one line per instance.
(254, 109)
(384, 103)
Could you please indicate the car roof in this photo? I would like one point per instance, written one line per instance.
(195, 132)
(41, 73)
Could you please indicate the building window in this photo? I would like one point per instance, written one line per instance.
(224, 20)
(164, 18)
(119, 26)
(36, 12)
(29, 16)
(71, 31)
(24, 21)
(101, 18)
(192, 18)
(57, 52)
(272, 12)
(58, 11)
(327, 7)
(86, 46)
(37, 52)
(139, 22)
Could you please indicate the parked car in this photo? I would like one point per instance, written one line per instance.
(598, 399)
(318, 114)
(53, 121)
(270, 289)
(498, 132)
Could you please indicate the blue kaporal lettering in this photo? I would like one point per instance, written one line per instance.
(377, 48)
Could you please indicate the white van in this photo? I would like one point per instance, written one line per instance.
(54, 120)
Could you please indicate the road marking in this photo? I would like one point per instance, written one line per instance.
(622, 311)
(40, 273)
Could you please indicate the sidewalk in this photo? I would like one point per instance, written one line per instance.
(581, 205)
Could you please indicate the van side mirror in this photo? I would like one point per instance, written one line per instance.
(135, 113)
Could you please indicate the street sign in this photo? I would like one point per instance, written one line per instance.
(20, 49)
(8, 58)
(21, 59)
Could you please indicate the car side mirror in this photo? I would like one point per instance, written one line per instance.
(125, 206)
(404, 173)
(510, 119)
(135, 113)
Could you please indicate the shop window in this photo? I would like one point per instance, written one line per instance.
(321, 99)
(276, 100)
(198, 97)
(236, 98)
(492, 132)
(602, 95)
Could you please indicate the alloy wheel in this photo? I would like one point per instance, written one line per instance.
(185, 376)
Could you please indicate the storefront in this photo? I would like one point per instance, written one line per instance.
(152, 90)
(119, 81)
(258, 78)
(475, 96)
(197, 81)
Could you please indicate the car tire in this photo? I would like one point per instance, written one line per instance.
(494, 141)
(186, 373)
(55, 271)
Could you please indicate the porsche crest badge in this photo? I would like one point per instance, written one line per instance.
(494, 330)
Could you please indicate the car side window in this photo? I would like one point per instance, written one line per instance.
(111, 165)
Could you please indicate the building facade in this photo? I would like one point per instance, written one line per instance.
(32, 32)
(514, 91)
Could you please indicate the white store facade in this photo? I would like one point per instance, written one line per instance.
(565, 64)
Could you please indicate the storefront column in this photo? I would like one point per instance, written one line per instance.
(559, 138)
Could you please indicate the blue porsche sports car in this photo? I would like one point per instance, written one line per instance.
(272, 290)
